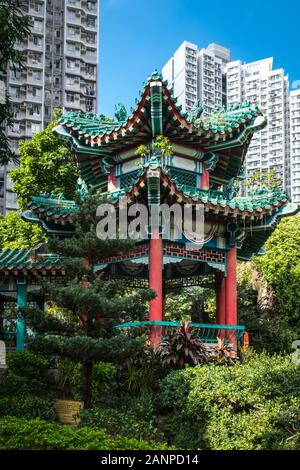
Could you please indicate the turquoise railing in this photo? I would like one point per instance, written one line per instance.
(207, 332)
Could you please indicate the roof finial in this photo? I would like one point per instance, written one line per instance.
(155, 75)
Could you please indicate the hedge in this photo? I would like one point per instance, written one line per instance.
(253, 405)
(36, 434)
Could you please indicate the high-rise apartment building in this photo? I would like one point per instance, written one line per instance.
(61, 57)
(198, 75)
(269, 89)
(295, 144)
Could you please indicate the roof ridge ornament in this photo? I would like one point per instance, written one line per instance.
(155, 75)
(195, 112)
(120, 112)
(81, 189)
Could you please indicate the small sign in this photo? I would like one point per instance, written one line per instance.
(2, 355)
(66, 411)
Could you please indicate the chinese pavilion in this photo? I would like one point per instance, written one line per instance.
(207, 160)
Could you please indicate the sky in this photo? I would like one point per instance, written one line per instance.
(139, 36)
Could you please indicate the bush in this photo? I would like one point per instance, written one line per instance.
(13, 385)
(36, 434)
(27, 364)
(141, 373)
(103, 378)
(134, 419)
(27, 407)
(252, 405)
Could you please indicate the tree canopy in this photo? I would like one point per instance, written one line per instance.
(46, 165)
(16, 233)
(280, 265)
(94, 303)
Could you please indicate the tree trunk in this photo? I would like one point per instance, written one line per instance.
(86, 383)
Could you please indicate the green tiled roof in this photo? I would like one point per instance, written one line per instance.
(59, 210)
(90, 126)
(28, 260)
(266, 201)
(98, 142)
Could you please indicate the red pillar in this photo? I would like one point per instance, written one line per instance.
(205, 178)
(230, 288)
(231, 293)
(220, 298)
(112, 181)
(156, 284)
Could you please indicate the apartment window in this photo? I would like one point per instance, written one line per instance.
(37, 41)
(91, 6)
(70, 97)
(57, 33)
(71, 15)
(70, 64)
(36, 6)
(57, 64)
(91, 21)
(38, 25)
(34, 110)
(91, 38)
(57, 48)
(89, 104)
(37, 92)
(35, 128)
(36, 59)
(15, 92)
(16, 74)
(90, 70)
(14, 146)
(73, 32)
(71, 47)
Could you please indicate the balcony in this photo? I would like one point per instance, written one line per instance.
(34, 116)
(34, 63)
(35, 47)
(39, 12)
(74, 19)
(35, 99)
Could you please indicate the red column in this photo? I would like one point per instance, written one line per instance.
(220, 298)
(205, 178)
(230, 288)
(156, 284)
(112, 181)
(231, 294)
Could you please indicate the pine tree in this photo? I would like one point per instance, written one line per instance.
(94, 304)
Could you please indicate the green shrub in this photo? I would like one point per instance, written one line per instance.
(12, 385)
(36, 434)
(27, 364)
(245, 406)
(141, 373)
(103, 378)
(27, 406)
(134, 418)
